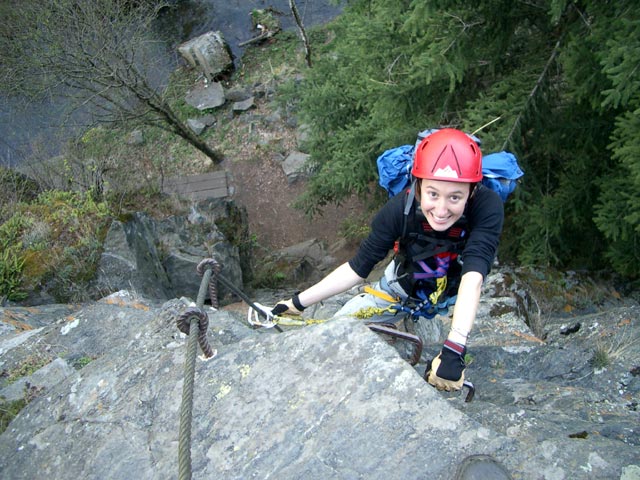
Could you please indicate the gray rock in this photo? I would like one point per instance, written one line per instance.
(294, 165)
(207, 95)
(243, 105)
(312, 248)
(302, 137)
(130, 260)
(18, 319)
(208, 52)
(332, 400)
(121, 412)
(196, 125)
(158, 258)
(237, 94)
(274, 118)
(43, 378)
(136, 137)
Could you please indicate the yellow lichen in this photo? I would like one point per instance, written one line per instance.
(244, 370)
(224, 390)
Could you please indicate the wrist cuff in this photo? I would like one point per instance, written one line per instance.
(296, 302)
(455, 347)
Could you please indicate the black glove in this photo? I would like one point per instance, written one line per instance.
(290, 307)
(451, 361)
(447, 369)
(284, 306)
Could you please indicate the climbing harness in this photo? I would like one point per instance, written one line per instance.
(381, 294)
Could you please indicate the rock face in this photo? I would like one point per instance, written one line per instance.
(158, 259)
(331, 400)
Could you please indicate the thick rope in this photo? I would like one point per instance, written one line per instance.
(194, 322)
(368, 312)
(184, 445)
(208, 267)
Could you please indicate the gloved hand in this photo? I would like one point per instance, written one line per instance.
(447, 369)
(286, 307)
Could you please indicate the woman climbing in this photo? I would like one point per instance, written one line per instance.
(445, 231)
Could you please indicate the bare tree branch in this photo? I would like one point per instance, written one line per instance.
(97, 53)
(303, 33)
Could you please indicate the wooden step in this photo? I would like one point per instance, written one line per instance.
(198, 187)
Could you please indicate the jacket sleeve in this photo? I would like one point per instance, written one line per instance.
(486, 217)
(386, 228)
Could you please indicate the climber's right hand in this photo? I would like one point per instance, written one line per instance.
(285, 307)
(288, 307)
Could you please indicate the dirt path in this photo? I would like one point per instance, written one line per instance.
(258, 182)
(263, 189)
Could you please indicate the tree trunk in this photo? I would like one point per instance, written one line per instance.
(186, 133)
(303, 33)
(181, 129)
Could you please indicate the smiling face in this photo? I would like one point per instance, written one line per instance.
(443, 202)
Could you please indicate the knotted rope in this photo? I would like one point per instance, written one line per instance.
(194, 322)
(205, 269)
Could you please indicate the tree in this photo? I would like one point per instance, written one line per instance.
(302, 31)
(562, 77)
(99, 54)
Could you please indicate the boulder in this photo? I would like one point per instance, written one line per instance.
(130, 259)
(294, 165)
(206, 95)
(209, 53)
(329, 400)
(243, 105)
(46, 377)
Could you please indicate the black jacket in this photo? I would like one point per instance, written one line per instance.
(483, 219)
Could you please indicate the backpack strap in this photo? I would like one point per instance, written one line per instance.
(411, 196)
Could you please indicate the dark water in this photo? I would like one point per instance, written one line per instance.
(192, 18)
(23, 126)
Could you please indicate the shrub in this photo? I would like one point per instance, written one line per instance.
(11, 259)
(52, 243)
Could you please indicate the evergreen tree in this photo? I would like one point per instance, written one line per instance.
(562, 77)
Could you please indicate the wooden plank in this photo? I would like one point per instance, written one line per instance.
(213, 176)
(199, 184)
(213, 192)
(199, 187)
(204, 195)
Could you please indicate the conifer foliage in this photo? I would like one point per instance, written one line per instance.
(562, 78)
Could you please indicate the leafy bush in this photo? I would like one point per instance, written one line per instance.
(9, 411)
(52, 243)
(11, 259)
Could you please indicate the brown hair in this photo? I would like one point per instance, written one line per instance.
(418, 188)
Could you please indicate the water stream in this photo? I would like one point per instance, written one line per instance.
(23, 126)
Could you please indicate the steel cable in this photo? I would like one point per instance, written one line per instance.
(195, 323)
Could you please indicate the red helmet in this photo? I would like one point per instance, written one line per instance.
(449, 155)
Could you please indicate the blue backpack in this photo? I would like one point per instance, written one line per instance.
(500, 171)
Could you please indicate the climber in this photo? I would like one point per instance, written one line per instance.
(444, 231)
